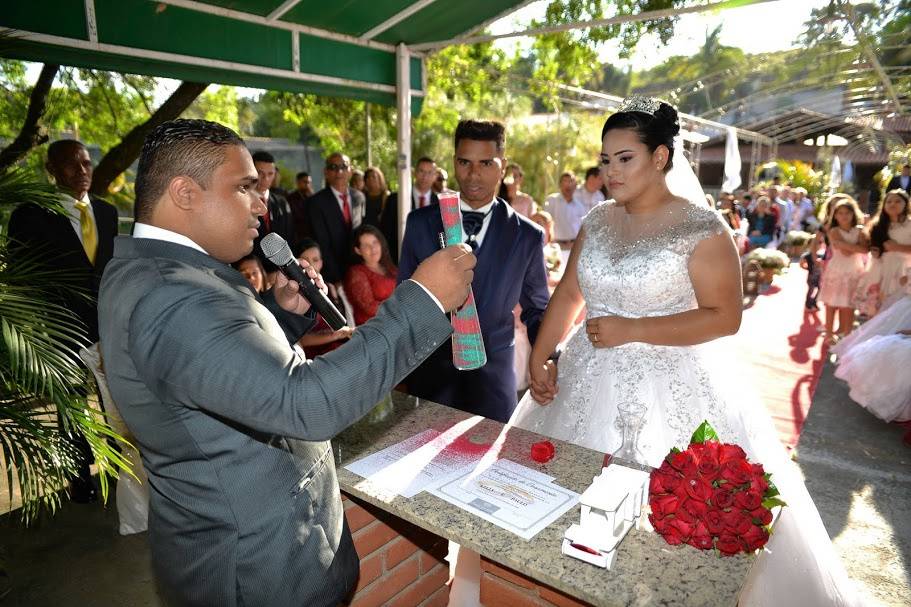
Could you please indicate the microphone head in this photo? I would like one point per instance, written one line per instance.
(276, 249)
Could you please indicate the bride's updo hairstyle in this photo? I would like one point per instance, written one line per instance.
(654, 121)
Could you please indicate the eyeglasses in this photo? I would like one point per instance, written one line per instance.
(338, 167)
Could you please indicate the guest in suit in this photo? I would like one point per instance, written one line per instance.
(422, 195)
(232, 425)
(79, 244)
(901, 182)
(510, 271)
(332, 214)
(297, 200)
(277, 217)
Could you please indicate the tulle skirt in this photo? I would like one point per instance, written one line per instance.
(682, 386)
(889, 320)
(840, 279)
(878, 372)
(895, 266)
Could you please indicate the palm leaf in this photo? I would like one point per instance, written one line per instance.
(41, 379)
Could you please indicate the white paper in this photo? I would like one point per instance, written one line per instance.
(413, 465)
(508, 495)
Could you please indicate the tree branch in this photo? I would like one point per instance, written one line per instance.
(122, 155)
(32, 133)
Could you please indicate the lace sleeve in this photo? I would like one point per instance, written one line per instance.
(360, 293)
(701, 224)
(593, 216)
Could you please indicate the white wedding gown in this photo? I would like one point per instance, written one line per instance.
(637, 266)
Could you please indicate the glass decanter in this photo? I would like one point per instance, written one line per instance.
(630, 421)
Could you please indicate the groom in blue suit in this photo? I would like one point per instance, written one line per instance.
(510, 270)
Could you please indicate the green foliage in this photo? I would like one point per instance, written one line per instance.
(39, 378)
(704, 432)
(802, 174)
(218, 104)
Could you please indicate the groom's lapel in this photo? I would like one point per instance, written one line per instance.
(494, 254)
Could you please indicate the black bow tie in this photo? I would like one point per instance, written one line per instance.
(471, 224)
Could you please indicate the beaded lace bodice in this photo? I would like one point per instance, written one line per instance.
(636, 265)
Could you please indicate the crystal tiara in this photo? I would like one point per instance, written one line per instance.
(638, 103)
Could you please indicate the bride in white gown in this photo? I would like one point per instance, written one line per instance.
(660, 277)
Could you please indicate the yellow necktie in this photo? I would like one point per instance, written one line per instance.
(89, 235)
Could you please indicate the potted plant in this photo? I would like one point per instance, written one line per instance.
(772, 262)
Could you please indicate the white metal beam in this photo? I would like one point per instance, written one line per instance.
(403, 135)
(871, 56)
(564, 27)
(285, 6)
(190, 60)
(395, 19)
(211, 9)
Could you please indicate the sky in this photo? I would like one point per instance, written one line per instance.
(762, 28)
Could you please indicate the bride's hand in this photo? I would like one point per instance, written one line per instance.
(609, 331)
(543, 381)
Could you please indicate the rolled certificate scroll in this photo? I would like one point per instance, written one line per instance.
(467, 342)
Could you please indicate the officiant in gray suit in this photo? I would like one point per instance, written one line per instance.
(232, 425)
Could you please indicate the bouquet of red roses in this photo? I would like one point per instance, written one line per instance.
(710, 496)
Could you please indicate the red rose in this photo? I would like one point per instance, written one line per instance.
(660, 525)
(763, 515)
(728, 544)
(679, 528)
(737, 522)
(728, 453)
(701, 538)
(665, 468)
(736, 472)
(543, 451)
(760, 484)
(755, 538)
(697, 488)
(683, 462)
(664, 505)
(747, 500)
(722, 498)
(662, 483)
(696, 507)
(714, 521)
(684, 514)
(758, 470)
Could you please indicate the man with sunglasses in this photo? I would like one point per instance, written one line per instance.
(332, 214)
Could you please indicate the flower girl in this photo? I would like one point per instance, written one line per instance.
(846, 266)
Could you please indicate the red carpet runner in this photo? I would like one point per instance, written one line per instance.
(781, 347)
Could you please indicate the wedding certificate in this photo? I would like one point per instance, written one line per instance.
(509, 495)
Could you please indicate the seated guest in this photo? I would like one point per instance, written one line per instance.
(371, 277)
(552, 257)
(762, 223)
(511, 191)
(252, 269)
(321, 338)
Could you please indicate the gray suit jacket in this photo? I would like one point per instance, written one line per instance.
(233, 427)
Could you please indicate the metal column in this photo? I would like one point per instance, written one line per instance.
(403, 126)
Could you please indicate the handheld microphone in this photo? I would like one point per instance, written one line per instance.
(277, 250)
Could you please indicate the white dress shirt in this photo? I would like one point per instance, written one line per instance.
(484, 224)
(69, 203)
(416, 197)
(567, 216)
(589, 199)
(144, 230)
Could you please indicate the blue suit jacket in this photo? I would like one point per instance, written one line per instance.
(510, 270)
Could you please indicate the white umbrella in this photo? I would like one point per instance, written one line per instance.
(732, 163)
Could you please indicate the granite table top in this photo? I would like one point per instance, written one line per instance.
(647, 571)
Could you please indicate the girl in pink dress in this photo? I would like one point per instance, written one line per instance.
(845, 268)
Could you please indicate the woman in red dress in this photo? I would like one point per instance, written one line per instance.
(371, 278)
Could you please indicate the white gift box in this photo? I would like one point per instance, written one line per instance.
(610, 508)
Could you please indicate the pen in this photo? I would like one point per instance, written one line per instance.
(584, 548)
(442, 240)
